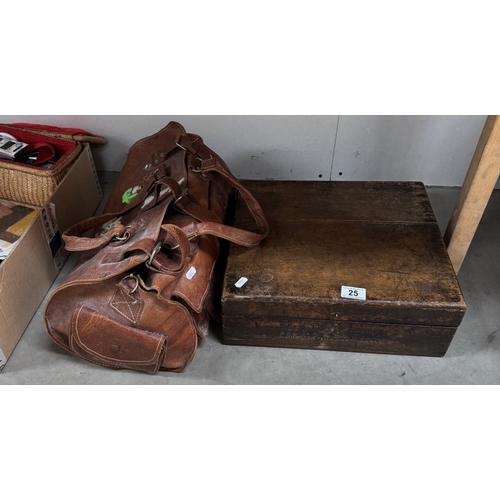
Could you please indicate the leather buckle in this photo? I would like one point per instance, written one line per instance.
(194, 153)
(156, 249)
(184, 193)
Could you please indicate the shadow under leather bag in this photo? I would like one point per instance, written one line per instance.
(144, 289)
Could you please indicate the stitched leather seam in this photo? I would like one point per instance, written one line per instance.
(133, 319)
(91, 351)
(194, 337)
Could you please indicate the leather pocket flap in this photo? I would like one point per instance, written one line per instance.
(105, 341)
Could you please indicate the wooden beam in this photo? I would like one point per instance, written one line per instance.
(476, 191)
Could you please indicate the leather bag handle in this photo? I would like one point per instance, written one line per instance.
(181, 241)
(76, 242)
(210, 162)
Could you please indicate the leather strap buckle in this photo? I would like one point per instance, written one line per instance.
(156, 249)
(184, 193)
(187, 149)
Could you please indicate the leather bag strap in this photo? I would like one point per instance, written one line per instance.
(210, 163)
(76, 242)
(236, 235)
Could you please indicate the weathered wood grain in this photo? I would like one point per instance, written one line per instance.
(381, 236)
(478, 185)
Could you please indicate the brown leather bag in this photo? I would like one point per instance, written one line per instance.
(144, 288)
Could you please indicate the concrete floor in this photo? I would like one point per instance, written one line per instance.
(473, 357)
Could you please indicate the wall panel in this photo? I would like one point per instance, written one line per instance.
(436, 150)
(433, 149)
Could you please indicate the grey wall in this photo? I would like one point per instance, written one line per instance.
(433, 149)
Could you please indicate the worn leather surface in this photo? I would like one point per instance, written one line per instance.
(142, 292)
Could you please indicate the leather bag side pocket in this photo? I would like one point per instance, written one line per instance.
(104, 341)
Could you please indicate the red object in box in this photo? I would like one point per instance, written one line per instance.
(31, 185)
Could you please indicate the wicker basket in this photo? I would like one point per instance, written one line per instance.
(29, 185)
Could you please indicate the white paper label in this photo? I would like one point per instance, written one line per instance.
(3, 360)
(351, 292)
(241, 282)
(190, 273)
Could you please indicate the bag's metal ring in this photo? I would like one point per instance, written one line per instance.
(124, 237)
(156, 249)
(198, 171)
(136, 283)
(184, 193)
(196, 155)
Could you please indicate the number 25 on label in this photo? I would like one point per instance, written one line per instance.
(350, 292)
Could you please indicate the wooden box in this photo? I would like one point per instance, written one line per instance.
(380, 238)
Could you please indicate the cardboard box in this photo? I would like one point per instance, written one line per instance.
(28, 272)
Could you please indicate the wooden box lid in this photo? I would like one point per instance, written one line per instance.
(379, 236)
